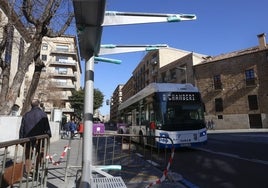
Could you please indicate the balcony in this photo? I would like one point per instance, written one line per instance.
(65, 63)
(63, 75)
(63, 85)
(64, 110)
(65, 52)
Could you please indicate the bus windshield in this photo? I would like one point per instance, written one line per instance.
(179, 116)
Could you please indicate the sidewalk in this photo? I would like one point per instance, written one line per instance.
(139, 175)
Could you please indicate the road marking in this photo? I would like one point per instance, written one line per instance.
(153, 163)
(139, 155)
(234, 156)
(252, 135)
(188, 184)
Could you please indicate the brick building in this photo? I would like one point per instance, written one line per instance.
(234, 87)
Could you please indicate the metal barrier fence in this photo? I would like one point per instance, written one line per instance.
(17, 155)
(117, 155)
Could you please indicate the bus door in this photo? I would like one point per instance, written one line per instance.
(134, 128)
(151, 127)
(151, 133)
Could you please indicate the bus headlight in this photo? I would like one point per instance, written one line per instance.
(203, 133)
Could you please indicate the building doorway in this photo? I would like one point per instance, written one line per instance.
(255, 120)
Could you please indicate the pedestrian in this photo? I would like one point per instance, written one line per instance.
(80, 129)
(72, 128)
(209, 124)
(67, 129)
(212, 124)
(34, 123)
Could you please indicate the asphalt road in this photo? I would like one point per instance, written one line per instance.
(228, 160)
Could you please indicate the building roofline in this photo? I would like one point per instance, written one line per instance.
(251, 50)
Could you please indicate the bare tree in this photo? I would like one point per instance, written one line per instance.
(7, 41)
(45, 18)
(5, 67)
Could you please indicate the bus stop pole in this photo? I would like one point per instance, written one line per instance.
(88, 123)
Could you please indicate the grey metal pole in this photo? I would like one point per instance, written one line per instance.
(88, 123)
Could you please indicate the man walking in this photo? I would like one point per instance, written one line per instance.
(34, 123)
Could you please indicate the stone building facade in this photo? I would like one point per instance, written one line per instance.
(234, 87)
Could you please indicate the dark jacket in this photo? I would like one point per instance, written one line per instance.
(34, 123)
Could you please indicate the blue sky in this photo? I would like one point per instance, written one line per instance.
(221, 26)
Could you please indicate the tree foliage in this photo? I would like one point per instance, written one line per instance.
(77, 101)
(98, 99)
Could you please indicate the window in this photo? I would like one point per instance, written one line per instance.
(62, 59)
(253, 102)
(61, 70)
(217, 82)
(44, 57)
(62, 48)
(220, 116)
(250, 77)
(163, 77)
(44, 46)
(173, 74)
(154, 59)
(218, 105)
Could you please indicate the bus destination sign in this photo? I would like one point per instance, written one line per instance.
(180, 96)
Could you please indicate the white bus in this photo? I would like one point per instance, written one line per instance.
(166, 110)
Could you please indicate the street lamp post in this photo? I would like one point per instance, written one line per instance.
(185, 72)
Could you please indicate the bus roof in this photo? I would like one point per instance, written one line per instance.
(158, 87)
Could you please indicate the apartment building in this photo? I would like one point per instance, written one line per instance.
(234, 87)
(61, 75)
(180, 70)
(116, 100)
(164, 65)
(128, 89)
